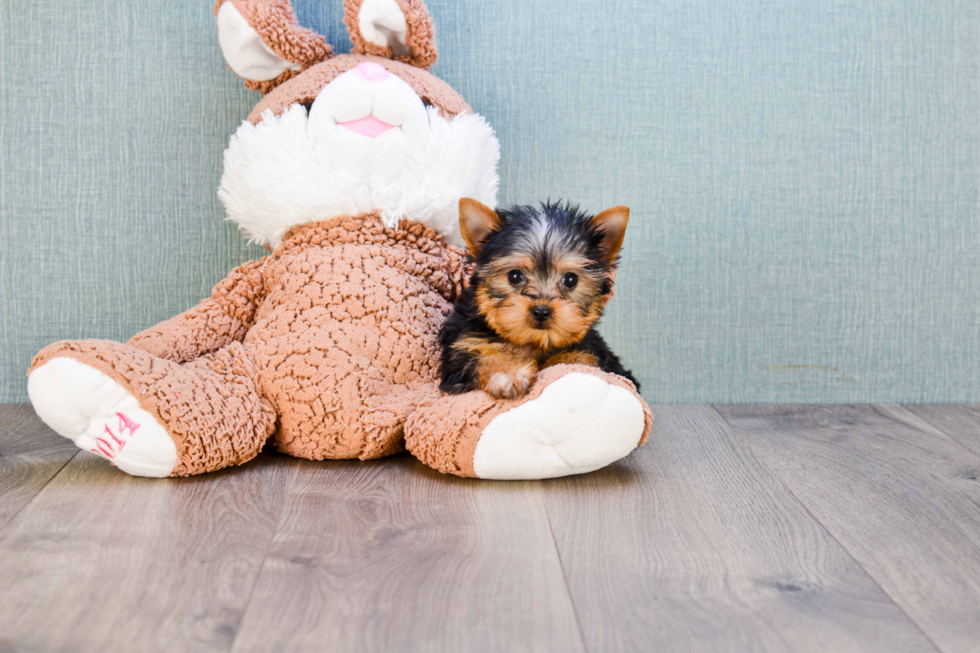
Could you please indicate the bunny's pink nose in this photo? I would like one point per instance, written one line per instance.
(371, 72)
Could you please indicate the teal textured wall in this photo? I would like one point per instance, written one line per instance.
(804, 176)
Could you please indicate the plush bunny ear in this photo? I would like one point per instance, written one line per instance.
(263, 42)
(394, 29)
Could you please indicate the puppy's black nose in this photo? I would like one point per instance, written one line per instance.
(541, 312)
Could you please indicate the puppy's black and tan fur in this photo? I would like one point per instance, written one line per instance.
(542, 280)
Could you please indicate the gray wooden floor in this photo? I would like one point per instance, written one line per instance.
(777, 528)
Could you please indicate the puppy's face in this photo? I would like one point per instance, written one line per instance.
(543, 276)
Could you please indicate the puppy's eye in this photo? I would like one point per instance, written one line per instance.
(516, 277)
(570, 280)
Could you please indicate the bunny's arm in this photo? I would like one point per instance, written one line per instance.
(220, 319)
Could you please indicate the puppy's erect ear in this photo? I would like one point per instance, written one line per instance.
(263, 42)
(476, 221)
(393, 29)
(611, 223)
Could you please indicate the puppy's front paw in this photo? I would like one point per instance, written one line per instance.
(512, 383)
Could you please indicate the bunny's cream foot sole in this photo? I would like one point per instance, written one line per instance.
(101, 416)
(574, 419)
(578, 424)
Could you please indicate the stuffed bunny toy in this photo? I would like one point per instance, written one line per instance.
(349, 170)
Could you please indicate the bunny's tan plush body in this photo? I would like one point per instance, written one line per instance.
(350, 170)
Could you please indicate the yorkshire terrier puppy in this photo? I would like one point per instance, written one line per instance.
(542, 280)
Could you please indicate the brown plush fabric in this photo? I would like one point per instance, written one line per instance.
(275, 22)
(304, 88)
(444, 435)
(210, 407)
(345, 337)
(223, 318)
(420, 37)
(268, 85)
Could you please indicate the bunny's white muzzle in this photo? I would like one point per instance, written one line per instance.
(368, 143)
(369, 114)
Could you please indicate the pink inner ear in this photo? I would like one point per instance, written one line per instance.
(370, 126)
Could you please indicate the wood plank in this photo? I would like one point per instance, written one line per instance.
(102, 561)
(959, 421)
(901, 496)
(30, 456)
(690, 544)
(391, 556)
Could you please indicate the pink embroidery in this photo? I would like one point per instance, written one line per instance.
(113, 436)
(127, 424)
(105, 448)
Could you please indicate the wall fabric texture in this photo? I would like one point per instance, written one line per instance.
(803, 177)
